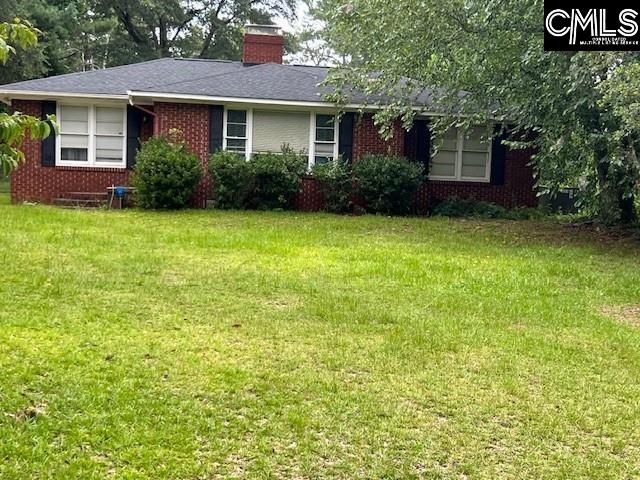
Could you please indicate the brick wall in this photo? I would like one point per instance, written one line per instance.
(192, 121)
(518, 189)
(262, 48)
(366, 138)
(310, 197)
(33, 182)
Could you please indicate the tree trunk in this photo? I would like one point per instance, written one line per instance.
(617, 201)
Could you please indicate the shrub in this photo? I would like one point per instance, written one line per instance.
(276, 178)
(456, 207)
(336, 183)
(387, 184)
(166, 174)
(232, 179)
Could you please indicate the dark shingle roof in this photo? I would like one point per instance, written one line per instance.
(214, 78)
(188, 76)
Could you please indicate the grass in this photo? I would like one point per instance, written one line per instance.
(203, 345)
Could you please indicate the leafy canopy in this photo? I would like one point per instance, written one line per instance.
(580, 106)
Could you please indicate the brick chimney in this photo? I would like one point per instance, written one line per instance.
(262, 44)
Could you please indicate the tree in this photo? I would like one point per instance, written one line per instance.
(14, 127)
(486, 59)
(164, 28)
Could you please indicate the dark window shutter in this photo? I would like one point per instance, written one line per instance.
(418, 143)
(345, 141)
(498, 158)
(48, 152)
(134, 124)
(216, 122)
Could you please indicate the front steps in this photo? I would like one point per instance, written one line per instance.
(83, 200)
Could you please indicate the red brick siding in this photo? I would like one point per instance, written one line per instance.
(33, 182)
(517, 191)
(192, 121)
(262, 48)
(310, 198)
(367, 139)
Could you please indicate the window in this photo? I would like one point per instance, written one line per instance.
(91, 136)
(235, 135)
(325, 146)
(462, 157)
(272, 129)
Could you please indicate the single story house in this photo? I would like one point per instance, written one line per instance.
(251, 106)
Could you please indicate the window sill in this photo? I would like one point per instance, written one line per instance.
(460, 181)
(91, 168)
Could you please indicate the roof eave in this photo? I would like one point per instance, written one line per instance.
(191, 98)
(8, 95)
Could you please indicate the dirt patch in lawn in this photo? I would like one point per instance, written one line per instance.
(629, 314)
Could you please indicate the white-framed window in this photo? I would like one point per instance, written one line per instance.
(237, 131)
(324, 142)
(462, 157)
(91, 136)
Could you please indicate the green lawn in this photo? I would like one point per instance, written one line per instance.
(204, 345)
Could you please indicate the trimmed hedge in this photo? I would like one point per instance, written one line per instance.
(387, 184)
(276, 178)
(232, 179)
(166, 174)
(336, 183)
(266, 181)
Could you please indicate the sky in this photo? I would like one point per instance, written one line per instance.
(288, 26)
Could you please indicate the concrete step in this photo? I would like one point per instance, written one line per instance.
(79, 203)
(87, 196)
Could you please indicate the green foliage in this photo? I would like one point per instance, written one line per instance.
(82, 35)
(468, 208)
(336, 182)
(387, 184)
(232, 179)
(455, 207)
(580, 105)
(166, 175)
(276, 178)
(17, 32)
(15, 127)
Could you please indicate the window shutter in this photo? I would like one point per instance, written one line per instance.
(345, 139)
(418, 143)
(498, 158)
(216, 122)
(134, 123)
(48, 150)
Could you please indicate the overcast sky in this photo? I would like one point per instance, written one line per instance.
(289, 26)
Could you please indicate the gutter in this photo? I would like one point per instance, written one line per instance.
(42, 95)
(7, 95)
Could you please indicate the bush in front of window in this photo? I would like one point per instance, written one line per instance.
(336, 183)
(233, 179)
(387, 184)
(166, 174)
(276, 178)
